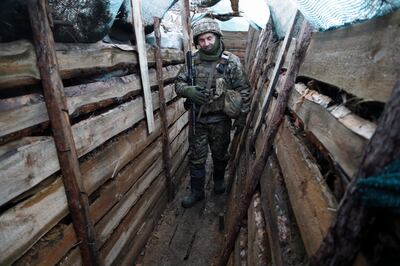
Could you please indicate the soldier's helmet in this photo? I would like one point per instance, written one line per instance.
(205, 25)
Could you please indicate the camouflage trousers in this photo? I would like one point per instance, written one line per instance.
(216, 135)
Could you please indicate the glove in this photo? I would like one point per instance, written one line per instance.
(195, 94)
(239, 123)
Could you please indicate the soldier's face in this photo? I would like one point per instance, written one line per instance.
(206, 41)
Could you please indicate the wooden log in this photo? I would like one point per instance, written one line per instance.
(106, 226)
(252, 51)
(29, 110)
(88, 134)
(130, 224)
(18, 60)
(49, 206)
(250, 40)
(285, 241)
(186, 30)
(78, 202)
(359, 58)
(259, 164)
(132, 252)
(51, 251)
(341, 132)
(241, 248)
(109, 195)
(313, 204)
(235, 40)
(121, 240)
(266, 33)
(128, 227)
(353, 219)
(274, 80)
(239, 140)
(164, 123)
(258, 250)
(141, 236)
(142, 51)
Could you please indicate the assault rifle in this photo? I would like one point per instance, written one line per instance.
(191, 82)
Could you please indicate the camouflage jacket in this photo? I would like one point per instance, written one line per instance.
(233, 78)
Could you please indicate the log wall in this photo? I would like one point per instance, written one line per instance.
(235, 42)
(119, 160)
(319, 144)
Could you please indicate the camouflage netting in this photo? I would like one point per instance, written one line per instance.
(328, 14)
(80, 21)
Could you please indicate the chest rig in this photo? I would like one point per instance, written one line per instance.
(212, 77)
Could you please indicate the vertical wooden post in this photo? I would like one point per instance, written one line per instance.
(185, 19)
(58, 113)
(166, 149)
(144, 71)
(274, 80)
(261, 160)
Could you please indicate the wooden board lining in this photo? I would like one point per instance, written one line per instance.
(313, 204)
(18, 60)
(362, 59)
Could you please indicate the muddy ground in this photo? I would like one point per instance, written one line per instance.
(188, 236)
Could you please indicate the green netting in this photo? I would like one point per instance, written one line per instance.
(382, 190)
(327, 14)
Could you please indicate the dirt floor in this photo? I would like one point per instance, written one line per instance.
(187, 236)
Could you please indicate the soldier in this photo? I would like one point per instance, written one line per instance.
(221, 93)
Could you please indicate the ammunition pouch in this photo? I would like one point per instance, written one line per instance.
(232, 103)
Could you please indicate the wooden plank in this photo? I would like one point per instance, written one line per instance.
(131, 251)
(109, 195)
(186, 30)
(241, 248)
(128, 227)
(131, 223)
(78, 202)
(235, 40)
(362, 59)
(49, 206)
(260, 161)
(285, 241)
(258, 250)
(18, 60)
(263, 41)
(312, 202)
(250, 40)
(107, 225)
(136, 245)
(164, 123)
(141, 47)
(341, 132)
(88, 135)
(274, 79)
(29, 110)
(252, 51)
(125, 232)
(354, 218)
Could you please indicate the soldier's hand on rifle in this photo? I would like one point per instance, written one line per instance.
(195, 94)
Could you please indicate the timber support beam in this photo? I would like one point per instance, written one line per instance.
(166, 148)
(58, 113)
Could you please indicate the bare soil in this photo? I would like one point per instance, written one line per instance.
(188, 236)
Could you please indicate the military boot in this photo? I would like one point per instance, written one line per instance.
(218, 177)
(197, 179)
